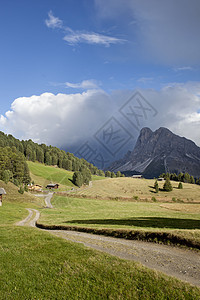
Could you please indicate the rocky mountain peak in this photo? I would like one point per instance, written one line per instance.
(161, 151)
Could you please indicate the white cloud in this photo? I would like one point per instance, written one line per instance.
(61, 119)
(85, 84)
(53, 22)
(73, 37)
(69, 119)
(183, 69)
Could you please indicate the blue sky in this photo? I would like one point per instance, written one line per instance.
(80, 61)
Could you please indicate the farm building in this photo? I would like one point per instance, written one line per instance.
(2, 192)
(52, 186)
(35, 188)
(161, 179)
(137, 176)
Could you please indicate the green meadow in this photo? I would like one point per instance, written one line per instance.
(37, 265)
(43, 175)
(180, 219)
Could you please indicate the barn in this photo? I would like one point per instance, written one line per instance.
(2, 192)
(52, 186)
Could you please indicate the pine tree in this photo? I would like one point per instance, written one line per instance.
(156, 187)
(112, 175)
(192, 180)
(180, 186)
(118, 174)
(78, 178)
(107, 174)
(167, 185)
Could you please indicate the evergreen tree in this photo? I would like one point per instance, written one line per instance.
(180, 177)
(118, 174)
(180, 185)
(186, 177)
(107, 174)
(7, 176)
(192, 180)
(112, 175)
(21, 190)
(78, 178)
(167, 185)
(156, 187)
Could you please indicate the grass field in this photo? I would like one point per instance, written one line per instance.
(179, 219)
(43, 175)
(140, 189)
(36, 265)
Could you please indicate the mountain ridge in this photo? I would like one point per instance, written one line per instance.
(160, 151)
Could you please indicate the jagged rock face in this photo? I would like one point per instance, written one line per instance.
(161, 151)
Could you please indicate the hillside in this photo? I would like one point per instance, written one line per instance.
(139, 189)
(42, 174)
(160, 152)
(51, 156)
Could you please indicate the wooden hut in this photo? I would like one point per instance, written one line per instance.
(2, 192)
(52, 186)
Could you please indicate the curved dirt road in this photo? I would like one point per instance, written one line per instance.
(181, 263)
(47, 199)
(31, 219)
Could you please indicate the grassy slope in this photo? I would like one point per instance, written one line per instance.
(36, 265)
(141, 188)
(43, 175)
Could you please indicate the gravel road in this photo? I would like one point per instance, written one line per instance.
(181, 263)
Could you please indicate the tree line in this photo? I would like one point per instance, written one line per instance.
(48, 155)
(181, 177)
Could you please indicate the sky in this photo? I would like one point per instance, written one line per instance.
(87, 75)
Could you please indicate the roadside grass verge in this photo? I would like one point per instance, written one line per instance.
(36, 265)
(133, 220)
(139, 190)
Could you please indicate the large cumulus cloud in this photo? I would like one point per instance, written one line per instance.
(69, 119)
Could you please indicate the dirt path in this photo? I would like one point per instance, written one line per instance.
(47, 199)
(180, 263)
(31, 219)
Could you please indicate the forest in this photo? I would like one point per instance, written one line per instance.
(14, 153)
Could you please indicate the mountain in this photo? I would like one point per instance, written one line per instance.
(159, 152)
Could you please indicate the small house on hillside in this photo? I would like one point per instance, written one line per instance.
(2, 192)
(52, 186)
(137, 176)
(35, 188)
(161, 179)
